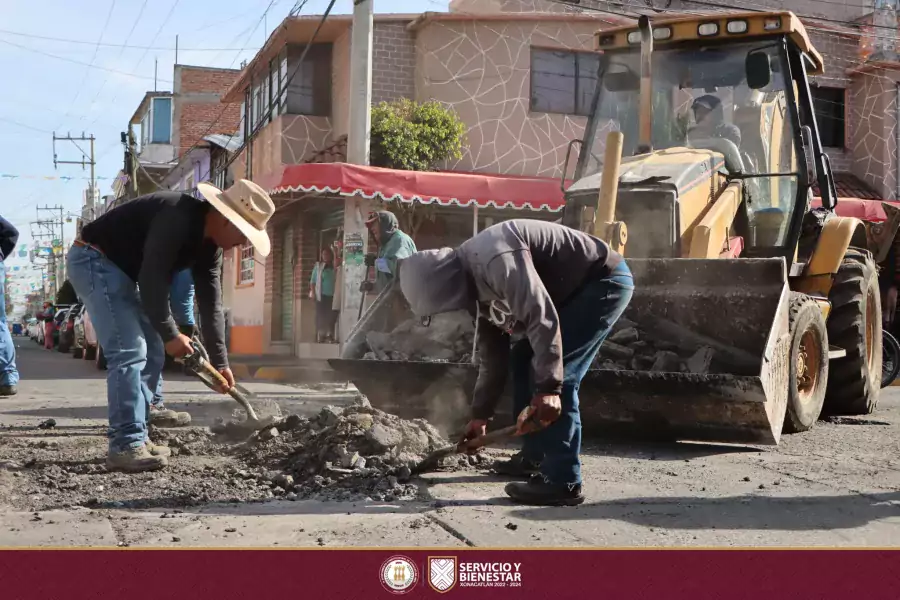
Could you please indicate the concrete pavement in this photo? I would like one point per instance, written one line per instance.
(837, 485)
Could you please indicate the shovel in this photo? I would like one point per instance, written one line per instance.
(528, 417)
(199, 365)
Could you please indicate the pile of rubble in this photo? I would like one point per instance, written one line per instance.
(633, 348)
(357, 453)
(447, 338)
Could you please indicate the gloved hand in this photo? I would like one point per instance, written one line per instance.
(366, 286)
(370, 259)
(475, 428)
(544, 410)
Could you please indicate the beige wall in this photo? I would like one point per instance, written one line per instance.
(340, 82)
(873, 102)
(481, 70)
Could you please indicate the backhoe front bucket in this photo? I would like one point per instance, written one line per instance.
(734, 310)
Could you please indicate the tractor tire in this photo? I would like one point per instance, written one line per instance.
(808, 364)
(855, 326)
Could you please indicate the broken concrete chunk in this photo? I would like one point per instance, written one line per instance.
(616, 350)
(699, 363)
(329, 415)
(625, 336)
(666, 361)
(383, 438)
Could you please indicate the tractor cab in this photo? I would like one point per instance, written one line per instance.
(702, 102)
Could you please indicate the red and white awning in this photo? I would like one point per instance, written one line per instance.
(441, 188)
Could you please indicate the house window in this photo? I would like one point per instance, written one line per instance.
(563, 81)
(161, 121)
(309, 90)
(830, 114)
(246, 265)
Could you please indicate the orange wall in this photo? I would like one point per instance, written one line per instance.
(246, 339)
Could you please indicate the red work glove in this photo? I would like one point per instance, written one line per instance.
(544, 409)
(475, 428)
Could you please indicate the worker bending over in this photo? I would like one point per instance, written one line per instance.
(561, 288)
(122, 267)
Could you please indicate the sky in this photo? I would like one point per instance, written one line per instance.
(95, 85)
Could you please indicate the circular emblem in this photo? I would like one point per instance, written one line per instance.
(399, 574)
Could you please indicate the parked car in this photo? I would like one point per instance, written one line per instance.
(66, 337)
(61, 311)
(92, 349)
(33, 327)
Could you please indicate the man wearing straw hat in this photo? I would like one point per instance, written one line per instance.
(122, 267)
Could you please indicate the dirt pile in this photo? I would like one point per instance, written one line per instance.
(635, 348)
(447, 338)
(356, 453)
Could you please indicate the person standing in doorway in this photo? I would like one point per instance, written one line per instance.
(9, 375)
(322, 291)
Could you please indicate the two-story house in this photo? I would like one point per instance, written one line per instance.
(520, 81)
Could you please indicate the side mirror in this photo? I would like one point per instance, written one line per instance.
(758, 69)
(811, 173)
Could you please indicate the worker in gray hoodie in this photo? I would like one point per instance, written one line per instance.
(561, 288)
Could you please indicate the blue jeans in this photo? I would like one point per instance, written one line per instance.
(133, 349)
(9, 375)
(181, 298)
(585, 320)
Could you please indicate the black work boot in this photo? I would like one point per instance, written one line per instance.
(516, 466)
(8, 390)
(538, 491)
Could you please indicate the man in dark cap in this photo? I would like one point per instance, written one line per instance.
(564, 290)
(709, 115)
(393, 245)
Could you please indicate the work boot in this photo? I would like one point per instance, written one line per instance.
(538, 491)
(8, 390)
(160, 416)
(134, 460)
(156, 450)
(516, 466)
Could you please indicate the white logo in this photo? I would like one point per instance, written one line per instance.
(399, 574)
(441, 573)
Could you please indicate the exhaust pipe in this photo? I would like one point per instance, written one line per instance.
(645, 117)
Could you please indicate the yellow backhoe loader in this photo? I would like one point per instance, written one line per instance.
(697, 164)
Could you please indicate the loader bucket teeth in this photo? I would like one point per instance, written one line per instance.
(733, 310)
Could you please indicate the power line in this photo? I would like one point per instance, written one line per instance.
(221, 113)
(87, 73)
(78, 62)
(111, 45)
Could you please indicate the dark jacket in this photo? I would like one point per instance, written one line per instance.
(512, 275)
(9, 235)
(153, 237)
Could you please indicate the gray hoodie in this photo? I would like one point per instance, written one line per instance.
(513, 276)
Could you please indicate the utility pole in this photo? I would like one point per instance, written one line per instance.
(356, 236)
(54, 229)
(87, 160)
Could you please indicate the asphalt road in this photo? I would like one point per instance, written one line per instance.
(837, 485)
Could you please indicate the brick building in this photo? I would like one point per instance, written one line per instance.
(170, 132)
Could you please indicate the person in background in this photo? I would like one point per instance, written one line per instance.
(47, 318)
(709, 116)
(338, 286)
(321, 290)
(393, 245)
(181, 303)
(9, 375)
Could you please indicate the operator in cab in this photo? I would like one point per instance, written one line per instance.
(563, 290)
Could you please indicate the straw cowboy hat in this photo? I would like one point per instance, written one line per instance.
(247, 206)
